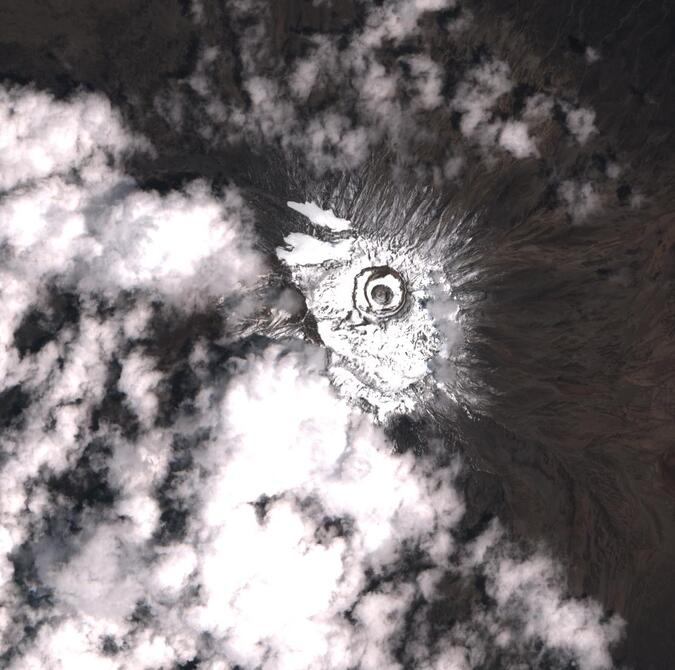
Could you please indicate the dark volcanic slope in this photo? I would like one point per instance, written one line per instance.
(571, 328)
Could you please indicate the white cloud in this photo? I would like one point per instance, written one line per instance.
(294, 499)
(93, 232)
(477, 94)
(515, 138)
(581, 123)
(99, 232)
(580, 199)
(138, 380)
(367, 100)
(197, 9)
(198, 81)
(303, 78)
(320, 457)
(363, 96)
(476, 97)
(41, 136)
(453, 166)
(185, 245)
(369, 107)
(538, 107)
(428, 80)
(592, 55)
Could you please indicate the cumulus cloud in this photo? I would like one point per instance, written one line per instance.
(592, 55)
(367, 105)
(526, 590)
(291, 556)
(324, 533)
(377, 87)
(71, 222)
(41, 136)
(476, 97)
(71, 216)
(581, 199)
(538, 107)
(581, 123)
(515, 138)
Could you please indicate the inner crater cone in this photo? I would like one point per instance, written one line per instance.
(379, 292)
(382, 294)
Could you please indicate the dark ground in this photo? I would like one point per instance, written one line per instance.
(579, 446)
